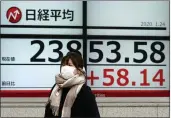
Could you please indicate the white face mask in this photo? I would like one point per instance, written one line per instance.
(67, 71)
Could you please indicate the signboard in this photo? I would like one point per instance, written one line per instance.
(41, 17)
(128, 48)
(113, 65)
(133, 18)
(32, 62)
(33, 43)
(41, 13)
(34, 51)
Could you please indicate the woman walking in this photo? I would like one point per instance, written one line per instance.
(70, 96)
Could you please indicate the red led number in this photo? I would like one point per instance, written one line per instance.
(145, 83)
(119, 80)
(122, 77)
(107, 76)
(160, 79)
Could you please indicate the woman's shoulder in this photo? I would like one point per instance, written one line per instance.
(86, 87)
(87, 95)
(86, 90)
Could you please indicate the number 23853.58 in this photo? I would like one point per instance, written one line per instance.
(116, 46)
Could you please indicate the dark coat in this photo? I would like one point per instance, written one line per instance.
(84, 106)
